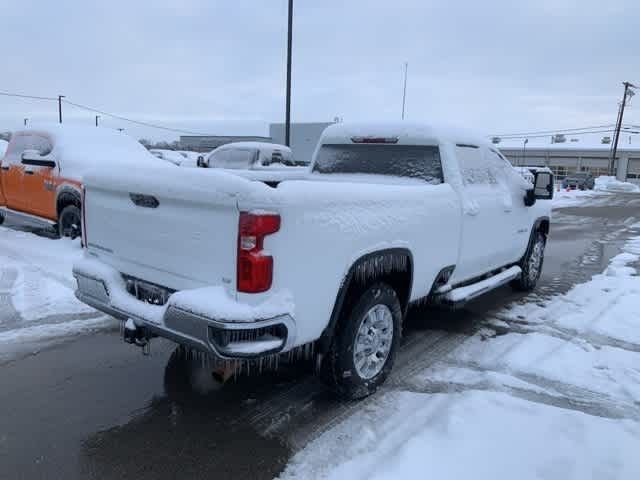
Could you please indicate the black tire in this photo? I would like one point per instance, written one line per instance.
(69, 222)
(339, 369)
(531, 264)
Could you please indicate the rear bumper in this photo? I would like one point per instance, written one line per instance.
(103, 289)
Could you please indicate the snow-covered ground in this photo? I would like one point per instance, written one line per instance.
(572, 198)
(545, 390)
(37, 303)
(604, 186)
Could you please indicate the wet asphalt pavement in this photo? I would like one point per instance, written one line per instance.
(94, 407)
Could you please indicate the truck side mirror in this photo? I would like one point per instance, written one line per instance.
(34, 159)
(543, 185)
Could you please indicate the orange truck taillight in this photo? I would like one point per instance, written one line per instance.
(255, 267)
(83, 223)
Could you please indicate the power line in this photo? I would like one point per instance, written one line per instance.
(95, 110)
(548, 132)
(130, 120)
(611, 130)
(33, 97)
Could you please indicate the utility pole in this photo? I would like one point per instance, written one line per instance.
(404, 90)
(287, 125)
(25, 121)
(97, 117)
(60, 97)
(616, 136)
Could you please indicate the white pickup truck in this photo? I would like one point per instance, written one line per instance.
(387, 215)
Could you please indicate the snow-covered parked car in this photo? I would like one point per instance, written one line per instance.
(579, 180)
(180, 159)
(242, 269)
(42, 172)
(250, 156)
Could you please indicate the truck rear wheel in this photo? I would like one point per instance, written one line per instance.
(69, 222)
(531, 264)
(365, 346)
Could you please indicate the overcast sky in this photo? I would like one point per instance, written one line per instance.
(218, 66)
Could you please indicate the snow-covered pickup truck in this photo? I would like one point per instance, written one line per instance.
(387, 216)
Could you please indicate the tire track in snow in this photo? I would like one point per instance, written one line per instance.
(8, 313)
(423, 348)
(564, 395)
(307, 407)
(579, 404)
(10, 252)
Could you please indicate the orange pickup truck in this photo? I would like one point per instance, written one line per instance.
(42, 170)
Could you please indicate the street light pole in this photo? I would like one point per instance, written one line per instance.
(25, 121)
(287, 125)
(97, 117)
(524, 150)
(616, 136)
(60, 97)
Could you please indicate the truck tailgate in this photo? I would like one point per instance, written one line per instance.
(178, 232)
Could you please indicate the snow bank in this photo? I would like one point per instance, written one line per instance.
(605, 306)
(473, 435)
(611, 184)
(574, 198)
(40, 271)
(37, 301)
(521, 410)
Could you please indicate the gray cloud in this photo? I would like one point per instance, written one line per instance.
(218, 66)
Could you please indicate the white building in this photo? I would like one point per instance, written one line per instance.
(304, 137)
(576, 156)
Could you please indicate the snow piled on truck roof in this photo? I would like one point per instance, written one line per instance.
(81, 148)
(408, 133)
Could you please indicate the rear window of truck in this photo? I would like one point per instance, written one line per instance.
(412, 161)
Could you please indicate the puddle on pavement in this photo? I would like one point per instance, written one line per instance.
(195, 430)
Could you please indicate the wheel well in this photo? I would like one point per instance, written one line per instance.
(65, 199)
(543, 226)
(393, 266)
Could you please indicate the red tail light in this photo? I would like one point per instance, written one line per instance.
(83, 223)
(255, 268)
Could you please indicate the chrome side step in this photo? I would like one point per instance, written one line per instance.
(461, 295)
